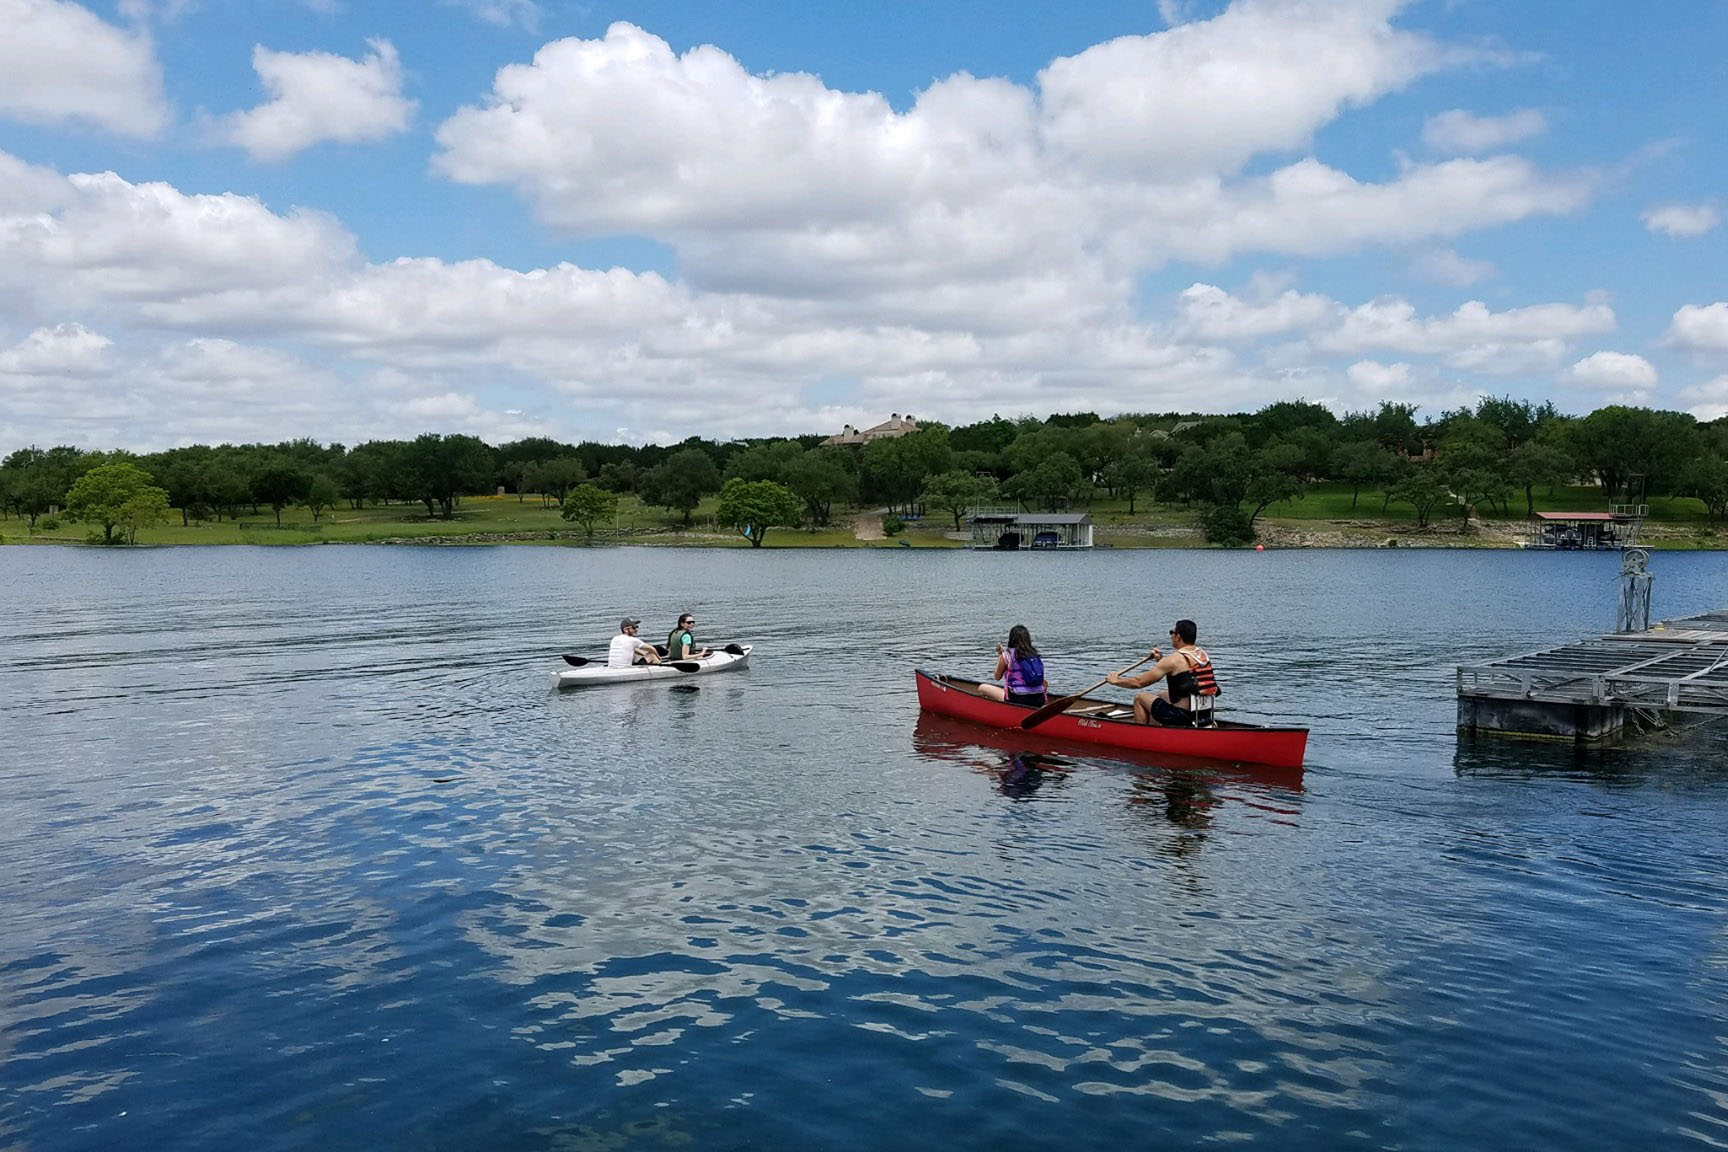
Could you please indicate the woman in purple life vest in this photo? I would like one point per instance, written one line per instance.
(1021, 671)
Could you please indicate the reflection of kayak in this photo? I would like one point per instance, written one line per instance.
(597, 672)
(1109, 723)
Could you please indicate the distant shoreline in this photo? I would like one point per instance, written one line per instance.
(1274, 535)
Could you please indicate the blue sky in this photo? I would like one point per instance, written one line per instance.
(637, 221)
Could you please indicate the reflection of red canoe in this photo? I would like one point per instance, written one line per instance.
(1090, 721)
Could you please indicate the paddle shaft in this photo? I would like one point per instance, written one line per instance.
(1057, 707)
(681, 665)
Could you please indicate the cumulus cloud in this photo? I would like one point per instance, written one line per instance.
(1458, 132)
(1681, 221)
(991, 190)
(1699, 328)
(316, 96)
(1621, 373)
(1203, 98)
(61, 63)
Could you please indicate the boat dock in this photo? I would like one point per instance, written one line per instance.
(1594, 690)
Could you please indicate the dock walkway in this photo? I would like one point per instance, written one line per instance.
(1591, 689)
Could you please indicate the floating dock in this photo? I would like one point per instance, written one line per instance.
(1595, 690)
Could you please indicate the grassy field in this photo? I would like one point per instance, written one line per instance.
(1674, 522)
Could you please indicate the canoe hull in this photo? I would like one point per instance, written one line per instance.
(597, 673)
(1236, 743)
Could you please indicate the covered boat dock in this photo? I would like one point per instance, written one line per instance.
(1003, 530)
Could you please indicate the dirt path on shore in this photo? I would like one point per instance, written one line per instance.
(868, 526)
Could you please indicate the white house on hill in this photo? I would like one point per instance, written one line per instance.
(895, 425)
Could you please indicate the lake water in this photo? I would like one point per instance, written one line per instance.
(298, 850)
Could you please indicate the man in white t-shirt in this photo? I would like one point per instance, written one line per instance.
(628, 648)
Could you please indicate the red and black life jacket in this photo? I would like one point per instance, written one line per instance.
(1195, 680)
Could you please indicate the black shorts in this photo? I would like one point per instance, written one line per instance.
(1167, 713)
(1030, 699)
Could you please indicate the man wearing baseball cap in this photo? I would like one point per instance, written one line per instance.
(628, 648)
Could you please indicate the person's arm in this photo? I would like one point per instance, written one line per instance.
(1151, 676)
(1001, 664)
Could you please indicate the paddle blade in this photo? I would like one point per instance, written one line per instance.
(684, 665)
(733, 650)
(1053, 709)
(576, 661)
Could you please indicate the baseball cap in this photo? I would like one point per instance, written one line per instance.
(629, 622)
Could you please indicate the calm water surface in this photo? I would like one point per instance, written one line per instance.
(298, 850)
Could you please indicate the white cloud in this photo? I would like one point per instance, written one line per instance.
(316, 96)
(59, 62)
(1203, 98)
(64, 350)
(1444, 266)
(87, 242)
(971, 209)
(1619, 372)
(1209, 314)
(1709, 401)
(1371, 376)
(1681, 221)
(1459, 133)
(1699, 328)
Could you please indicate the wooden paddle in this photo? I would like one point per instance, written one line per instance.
(1056, 707)
(681, 665)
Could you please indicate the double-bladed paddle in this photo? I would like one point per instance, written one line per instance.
(681, 665)
(1056, 707)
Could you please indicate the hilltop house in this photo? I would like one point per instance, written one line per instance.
(895, 425)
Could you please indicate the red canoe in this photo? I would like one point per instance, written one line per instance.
(1092, 721)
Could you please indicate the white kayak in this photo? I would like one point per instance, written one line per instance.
(596, 671)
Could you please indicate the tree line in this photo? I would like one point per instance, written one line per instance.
(1493, 456)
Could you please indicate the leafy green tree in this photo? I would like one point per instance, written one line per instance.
(1635, 451)
(765, 461)
(1227, 525)
(681, 481)
(1363, 463)
(554, 478)
(588, 506)
(957, 493)
(444, 468)
(117, 495)
(754, 506)
(987, 436)
(1272, 478)
(819, 477)
(1424, 489)
(281, 482)
(617, 476)
(1535, 462)
(36, 480)
(894, 471)
(1133, 472)
(322, 494)
(1054, 484)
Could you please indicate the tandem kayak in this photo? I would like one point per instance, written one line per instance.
(597, 672)
(1112, 724)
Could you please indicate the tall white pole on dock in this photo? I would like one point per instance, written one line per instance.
(1635, 578)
